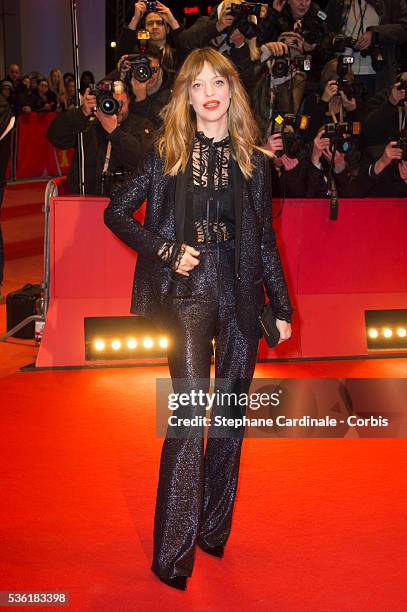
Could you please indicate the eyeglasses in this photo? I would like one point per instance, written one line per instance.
(157, 22)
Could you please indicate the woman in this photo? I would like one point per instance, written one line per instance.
(56, 84)
(334, 104)
(206, 248)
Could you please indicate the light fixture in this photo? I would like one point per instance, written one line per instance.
(130, 337)
(148, 343)
(386, 329)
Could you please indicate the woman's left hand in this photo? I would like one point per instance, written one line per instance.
(285, 330)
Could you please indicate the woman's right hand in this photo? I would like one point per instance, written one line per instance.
(320, 145)
(275, 143)
(189, 260)
(391, 152)
(331, 90)
(277, 48)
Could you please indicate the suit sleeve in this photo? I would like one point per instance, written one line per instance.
(273, 275)
(119, 218)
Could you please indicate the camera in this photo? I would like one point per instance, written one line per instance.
(292, 129)
(151, 7)
(341, 43)
(341, 134)
(402, 143)
(104, 97)
(312, 29)
(113, 181)
(241, 12)
(343, 82)
(139, 65)
(281, 65)
(249, 8)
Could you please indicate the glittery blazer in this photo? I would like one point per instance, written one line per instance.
(257, 260)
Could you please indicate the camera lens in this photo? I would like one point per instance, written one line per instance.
(142, 72)
(280, 68)
(108, 105)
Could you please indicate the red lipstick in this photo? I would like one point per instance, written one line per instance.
(211, 104)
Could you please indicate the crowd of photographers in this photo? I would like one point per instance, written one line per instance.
(324, 86)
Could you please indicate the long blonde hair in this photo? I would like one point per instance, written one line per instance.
(178, 132)
(60, 90)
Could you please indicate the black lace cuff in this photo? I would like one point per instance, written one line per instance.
(171, 254)
(283, 316)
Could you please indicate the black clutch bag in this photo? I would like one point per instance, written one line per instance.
(267, 321)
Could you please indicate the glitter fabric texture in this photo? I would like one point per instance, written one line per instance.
(221, 299)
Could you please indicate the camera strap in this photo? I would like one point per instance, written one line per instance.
(107, 157)
(402, 118)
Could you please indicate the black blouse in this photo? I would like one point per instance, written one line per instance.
(210, 213)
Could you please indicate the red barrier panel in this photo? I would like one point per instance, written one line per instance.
(35, 155)
(335, 271)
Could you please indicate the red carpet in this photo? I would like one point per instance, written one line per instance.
(319, 524)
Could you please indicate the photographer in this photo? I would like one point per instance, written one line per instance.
(304, 18)
(384, 171)
(328, 170)
(111, 142)
(386, 113)
(288, 173)
(376, 26)
(164, 30)
(338, 101)
(148, 97)
(279, 81)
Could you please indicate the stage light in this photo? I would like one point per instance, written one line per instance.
(113, 44)
(386, 329)
(128, 337)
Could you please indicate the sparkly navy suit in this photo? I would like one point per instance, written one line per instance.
(221, 299)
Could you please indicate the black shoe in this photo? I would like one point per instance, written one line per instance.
(215, 551)
(178, 582)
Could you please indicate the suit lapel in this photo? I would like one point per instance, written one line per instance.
(180, 201)
(238, 181)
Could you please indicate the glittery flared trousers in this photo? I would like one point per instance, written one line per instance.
(196, 490)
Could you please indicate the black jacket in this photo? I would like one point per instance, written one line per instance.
(381, 123)
(392, 31)
(151, 107)
(257, 259)
(131, 142)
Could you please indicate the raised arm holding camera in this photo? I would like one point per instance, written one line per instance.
(163, 28)
(370, 29)
(386, 113)
(384, 169)
(115, 142)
